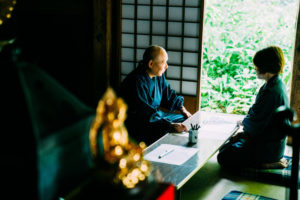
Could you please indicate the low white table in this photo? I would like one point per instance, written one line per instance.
(216, 129)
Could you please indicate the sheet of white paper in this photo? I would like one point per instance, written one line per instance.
(194, 119)
(203, 118)
(214, 131)
(212, 126)
(178, 156)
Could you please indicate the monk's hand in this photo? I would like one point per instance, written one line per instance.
(185, 113)
(179, 127)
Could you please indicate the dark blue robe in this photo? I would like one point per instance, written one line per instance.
(144, 96)
(258, 122)
(262, 141)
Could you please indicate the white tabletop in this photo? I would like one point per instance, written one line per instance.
(216, 129)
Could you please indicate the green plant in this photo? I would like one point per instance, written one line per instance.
(233, 31)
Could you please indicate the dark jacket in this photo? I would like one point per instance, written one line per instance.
(259, 125)
(144, 96)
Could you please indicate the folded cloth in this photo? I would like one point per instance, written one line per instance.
(237, 195)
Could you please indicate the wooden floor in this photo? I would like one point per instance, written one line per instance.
(211, 183)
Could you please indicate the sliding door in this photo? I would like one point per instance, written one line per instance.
(175, 25)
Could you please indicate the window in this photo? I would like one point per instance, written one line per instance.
(233, 31)
(177, 25)
(172, 24)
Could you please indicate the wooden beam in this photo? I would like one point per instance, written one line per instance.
(295, 87)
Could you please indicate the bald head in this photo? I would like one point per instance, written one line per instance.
(153, 53)
(155, 58)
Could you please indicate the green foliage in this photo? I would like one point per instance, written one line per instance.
(233, 31)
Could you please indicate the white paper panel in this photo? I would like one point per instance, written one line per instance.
(192, 2)
(143, 2)
(127, 40)
(192, 14)
(189, 73)
(174, 57)
(174, 43)
(123, 77)
(159, 12)
(159, 40)
(176, 2)
(127, 54)
(189, 88)
(127, 25)
(191, 29)
(143, 40)
(190, 59)
(175, 85)
(143, 26)
(159, 27)
(173, 72)
(128, 11)
(128, 1)
(191, 44)
(175, 28)
(175, 13)
(143, 12)
(139, 54)
(127, 67)
(159, 2)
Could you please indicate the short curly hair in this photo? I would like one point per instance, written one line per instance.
(270, 60)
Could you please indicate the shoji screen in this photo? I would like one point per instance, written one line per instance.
(172, 24)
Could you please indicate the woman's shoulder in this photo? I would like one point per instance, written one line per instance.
(278, 86)
(278, 91)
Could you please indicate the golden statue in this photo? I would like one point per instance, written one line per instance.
(6, 9)
(118, 149)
